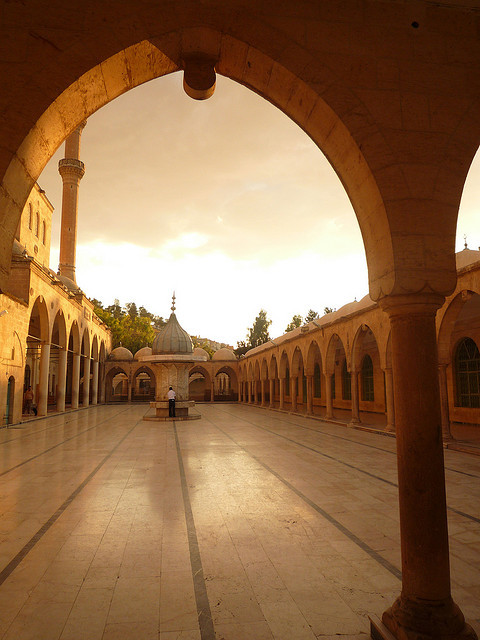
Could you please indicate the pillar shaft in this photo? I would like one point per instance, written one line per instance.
(282, 393)
(272, 392)
(101, 375)
(355, 400)
(442, 378)
(42, 401)
(62, 379)
(75, 380)
(86, 382)
(328, 396)
(293, 392)
(262, 383)
(425, 605)
(309, 394)
(95, 382)
(389, 400)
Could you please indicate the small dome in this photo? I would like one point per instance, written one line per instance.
(224, 354)
(144, 351)
(121, 353)
(198, 351)
(466, 257)
(172, 339)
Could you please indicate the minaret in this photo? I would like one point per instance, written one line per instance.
(72, 170)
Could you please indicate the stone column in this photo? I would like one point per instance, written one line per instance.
(75, 380)
(309, 395)
(271, 402)
(293, 392)
(212, 390)
(42, 400)
(72, 170)
(62, 379)
(425, 607)
(355, 403)
(129, 389)
(442, 376)
(282, 393)
(95, 382)
(102, 382)
(328, 396)
(86, 382)
(262, 383)
(390, 428)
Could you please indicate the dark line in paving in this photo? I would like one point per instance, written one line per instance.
(38, 455)
(351, 466)
(204, 613)
(362, 444)
(13, 564)
(338, 525)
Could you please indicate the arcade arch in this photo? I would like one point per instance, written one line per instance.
(378, 144)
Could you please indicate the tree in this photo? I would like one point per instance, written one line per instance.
(241, 349)
(311, 315)
(131, 308)
(115, 309)
(203, 344)
(328, 310)
(296, 321)
(258, 334)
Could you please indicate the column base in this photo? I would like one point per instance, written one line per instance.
(390, 428)
(409, 619)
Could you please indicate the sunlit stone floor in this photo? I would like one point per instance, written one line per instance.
(245, 525)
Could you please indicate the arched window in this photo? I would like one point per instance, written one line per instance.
(44, 232)
(346, 382)
(287, 382)
(37, 224)
(317, 381)
(467, 370)
(367, 379)
(30, 216)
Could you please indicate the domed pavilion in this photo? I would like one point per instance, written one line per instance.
(171, 359)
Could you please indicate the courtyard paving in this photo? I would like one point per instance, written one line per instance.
(248, 524)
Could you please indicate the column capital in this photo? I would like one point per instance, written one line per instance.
(411, 304)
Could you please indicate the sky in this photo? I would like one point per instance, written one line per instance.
(226, 201)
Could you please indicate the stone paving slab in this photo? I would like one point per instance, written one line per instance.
(247, 523)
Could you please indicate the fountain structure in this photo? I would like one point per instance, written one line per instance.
(171, 360)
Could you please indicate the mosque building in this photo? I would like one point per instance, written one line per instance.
(337, 367)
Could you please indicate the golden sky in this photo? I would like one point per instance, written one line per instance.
(226, 201)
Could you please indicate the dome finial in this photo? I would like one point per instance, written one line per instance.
(173, 302)
(465, 238)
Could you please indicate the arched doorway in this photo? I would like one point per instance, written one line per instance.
(143, 389)
(9, 410)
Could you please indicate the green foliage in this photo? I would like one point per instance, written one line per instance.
(311, 315)
(131, 329)
(241, 349)
(257, 335)
(203, 344)
(296, 321)
(328, 310)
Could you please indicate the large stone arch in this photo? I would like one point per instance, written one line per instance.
(345, 122)
(313, 356)
(465, 301)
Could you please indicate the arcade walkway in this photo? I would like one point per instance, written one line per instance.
(258, 524)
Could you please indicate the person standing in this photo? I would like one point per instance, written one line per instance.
(171, 402)
(28, 400)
